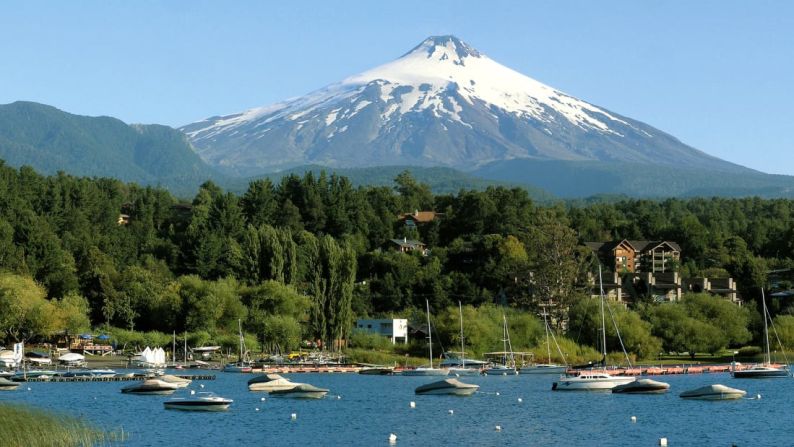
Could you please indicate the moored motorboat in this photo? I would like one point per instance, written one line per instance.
(714, 392)
(198, 402)
(301, 391)
(150, 386)
(642, 386)
(589, 381)
(448, 386)
(500, 370)
(8, 385)
(270, 382)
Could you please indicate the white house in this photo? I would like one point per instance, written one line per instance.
(396, 329)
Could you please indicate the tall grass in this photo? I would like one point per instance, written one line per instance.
(27, 426)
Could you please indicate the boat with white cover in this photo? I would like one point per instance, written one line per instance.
(150, 387)
(301, 391)
(714, 392)
(448, 386)
(270, 382)
(180, 382)
(8, 385)
(642, 386)
(203, 401)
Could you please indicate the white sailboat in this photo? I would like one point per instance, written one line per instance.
(508, 365)
(425, 370)
(545, 368)
(766, 369)
(592, 381)
(462, 370)
(241, 366)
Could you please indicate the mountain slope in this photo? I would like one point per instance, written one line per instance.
(441, 104)
(578, 179)
(51, 140)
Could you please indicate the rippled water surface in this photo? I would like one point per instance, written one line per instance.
(369, 408)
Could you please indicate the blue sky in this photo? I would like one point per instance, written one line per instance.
(716, 74)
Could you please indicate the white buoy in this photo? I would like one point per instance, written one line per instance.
(294, 416)
(498, 428)
(392, 438)
(451, 412)
(497, 393)
(28, 388)
(634, 419)
(757, 396)
(663, 442)
(201, 386)
(257, 408)
(520, 400)
(338, 397)
(192, 392)
(262, 399)
(413, 404)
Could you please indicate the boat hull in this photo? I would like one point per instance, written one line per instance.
(425, 372)
(761, 373)
(273, 385)
(301, 391)
(450, 387)
(598, 384)
(642, 386)
(197, 406)
(464, 372)
(713, 392)
(500, 372)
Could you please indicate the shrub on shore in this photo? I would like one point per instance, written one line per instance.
(32, 427)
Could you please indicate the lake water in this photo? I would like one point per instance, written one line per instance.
(372, 407)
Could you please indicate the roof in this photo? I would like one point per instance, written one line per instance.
(637, 245)
(419, 216)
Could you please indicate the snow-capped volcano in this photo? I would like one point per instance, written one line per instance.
(442, 103)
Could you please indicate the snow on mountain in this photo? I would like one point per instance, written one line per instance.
(442, 103)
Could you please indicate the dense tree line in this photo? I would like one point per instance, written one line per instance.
(300, 259)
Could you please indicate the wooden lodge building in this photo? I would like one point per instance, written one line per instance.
(650, 268)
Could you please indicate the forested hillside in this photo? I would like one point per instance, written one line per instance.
(301, 259)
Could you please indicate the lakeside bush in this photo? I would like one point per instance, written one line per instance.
(32, 427)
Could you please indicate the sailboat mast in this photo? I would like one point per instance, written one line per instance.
(173, 349)
(240, 328)
(766, 329)
(548, 342)
(429, 333)
(462, 351)
(603, 320)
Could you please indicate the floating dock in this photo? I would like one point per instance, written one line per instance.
(104, 379)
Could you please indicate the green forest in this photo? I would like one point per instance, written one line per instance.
(299, 260)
